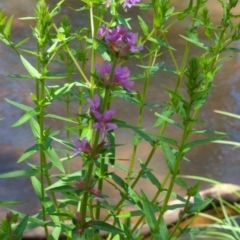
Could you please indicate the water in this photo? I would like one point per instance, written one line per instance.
(213, 161)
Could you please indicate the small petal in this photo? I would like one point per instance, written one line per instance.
(95, 103)
(111, 126)
(107, 115)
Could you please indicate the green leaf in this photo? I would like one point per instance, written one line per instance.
(35, 128)
(228, 114)
(193, 190)
(130, 214)
(21, 42)
(57, 184)
(37, 187)
(192, 144)
(123, 21)
(24, 76)
(169, 156)
(103, 226)
(19, 105)
(199, 206)
(28, 153)
(20, 173)
(143, 26)
(148, 211)
(8, 26)
(55, 233)
(136, 140)
(163, 230)
(164, 117)
(164, 139)
(53, 157)
(150, 176)
(161, 43)
(181, 183)
(116, 237)
(139, 131)
(21, 228)
(27, 116)
(196, 42)
(32, 71)
(8, 203)
(60, 118)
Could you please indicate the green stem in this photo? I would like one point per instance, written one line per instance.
(42, 155)
(151, 62)
(77, 65)
(88, 180)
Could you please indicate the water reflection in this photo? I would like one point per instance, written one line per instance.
(213, 161)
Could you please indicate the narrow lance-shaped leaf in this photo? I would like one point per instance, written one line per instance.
(8, 26)
(148, 212)
(150, 176)
(20, 173)
(53, 157)
(19, 105)
(21, 228)
(192, 144)
(37, 187)
(30, 114)
(28, 153)
(8, 203)
(169, 156)
(103, 226)
(32, 71)
(143, 26)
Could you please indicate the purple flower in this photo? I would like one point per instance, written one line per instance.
(82, 146)
(130, 3)
(120, 40)
(127, 3)
(94, 103)
(102, 31)
(120, 76)
(103, 123)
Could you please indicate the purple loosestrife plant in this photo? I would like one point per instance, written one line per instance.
(120, 76)
(108, 36)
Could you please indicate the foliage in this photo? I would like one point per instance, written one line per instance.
(80, 211)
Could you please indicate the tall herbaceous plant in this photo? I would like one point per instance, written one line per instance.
(95, 70)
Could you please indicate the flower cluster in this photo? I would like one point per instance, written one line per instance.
(119, 39)
(103, 120)
(120, 76)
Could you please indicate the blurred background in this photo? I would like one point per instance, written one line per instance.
(213, 161)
